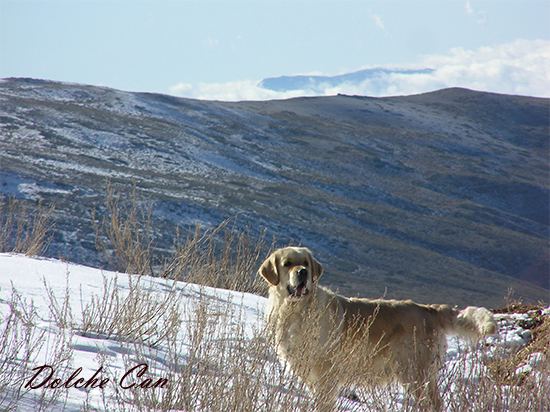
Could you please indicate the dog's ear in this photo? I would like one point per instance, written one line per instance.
(316, 269)
(269, 270)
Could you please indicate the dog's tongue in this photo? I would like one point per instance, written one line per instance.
(301, 290)
(298, 291)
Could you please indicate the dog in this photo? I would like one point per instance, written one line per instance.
(331, 341)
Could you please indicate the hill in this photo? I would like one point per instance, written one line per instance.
(440, 197)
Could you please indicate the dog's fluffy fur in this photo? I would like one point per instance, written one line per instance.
(329, 340)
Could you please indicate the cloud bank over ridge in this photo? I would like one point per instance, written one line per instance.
(521, 67)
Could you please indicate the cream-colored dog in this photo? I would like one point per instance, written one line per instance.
(331, 341)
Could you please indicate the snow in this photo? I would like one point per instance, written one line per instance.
(34, 191)
(30, 277)
(36, 280)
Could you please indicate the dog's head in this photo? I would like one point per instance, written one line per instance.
(293, 271)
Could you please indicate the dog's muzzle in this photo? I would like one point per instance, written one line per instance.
(300, 290)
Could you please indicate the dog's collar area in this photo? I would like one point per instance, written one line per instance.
(298, 292)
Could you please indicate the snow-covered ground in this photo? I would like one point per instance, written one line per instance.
(35, 291)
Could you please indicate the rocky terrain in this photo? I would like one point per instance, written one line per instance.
(439, 197)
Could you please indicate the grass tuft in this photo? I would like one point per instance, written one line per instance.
(23, 231)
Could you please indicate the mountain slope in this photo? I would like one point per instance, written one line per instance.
(436, 197)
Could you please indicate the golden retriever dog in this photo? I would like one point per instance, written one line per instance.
(331, 341)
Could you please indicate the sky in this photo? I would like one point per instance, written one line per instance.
(222, 49)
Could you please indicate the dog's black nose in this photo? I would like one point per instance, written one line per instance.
(302, 272)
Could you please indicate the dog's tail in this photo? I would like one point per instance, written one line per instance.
(471, 323)
(474, 323)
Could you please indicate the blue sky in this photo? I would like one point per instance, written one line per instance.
(222, 49)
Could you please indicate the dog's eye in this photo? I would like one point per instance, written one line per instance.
(306, 263)
(287, 264)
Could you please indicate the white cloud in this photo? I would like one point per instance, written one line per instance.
(377, 20)
(182, 89)
(480, 16)
(521, 67)
(231, 91)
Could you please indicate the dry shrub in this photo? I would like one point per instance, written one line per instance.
(215, 368)
(213, 359)
(136, 315)
(133, 314)
(476, 386)
(228, 264)
(22, 230)
(504, 368)
(492, 379)
(128, 230)
(224, 257)
(21, 344)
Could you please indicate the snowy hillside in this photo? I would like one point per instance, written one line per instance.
(208, 344)
(413, 196)
(73, 345)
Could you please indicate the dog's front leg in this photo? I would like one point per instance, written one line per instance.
(325, 387)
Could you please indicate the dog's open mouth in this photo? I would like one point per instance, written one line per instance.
(299, 291)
